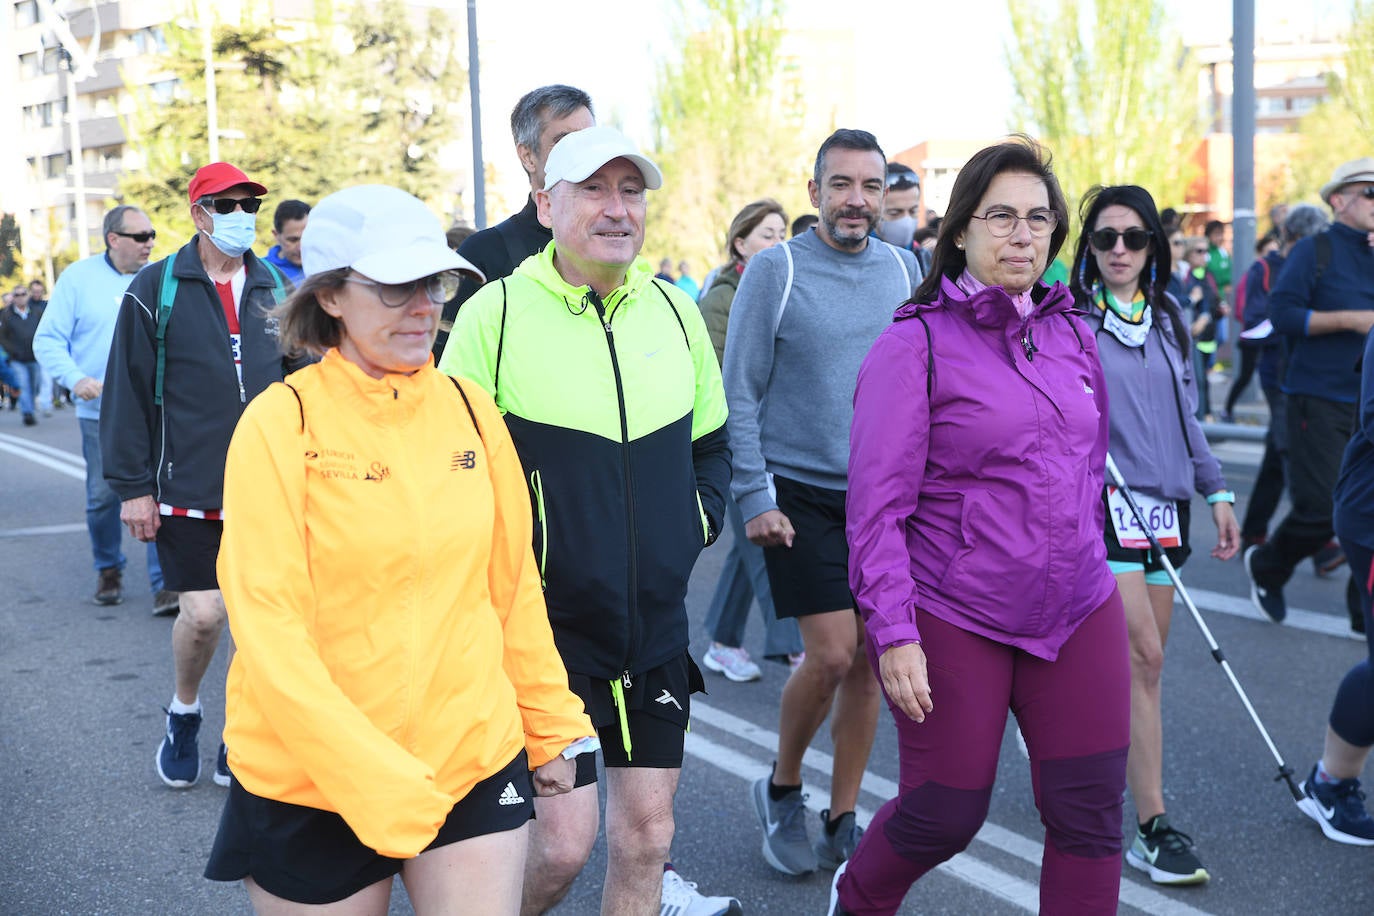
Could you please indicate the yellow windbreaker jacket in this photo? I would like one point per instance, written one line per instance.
(393, 644)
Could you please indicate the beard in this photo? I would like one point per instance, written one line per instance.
(848, 238)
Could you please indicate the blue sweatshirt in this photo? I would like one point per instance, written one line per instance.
(293, 272)
(1323, 365)
(1353, 518)
(73, 339)
(790, 381)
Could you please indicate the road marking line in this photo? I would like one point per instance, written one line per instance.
(61, 467)
(41, 529)
(60, 454)
(881, 788)
(1297, 619)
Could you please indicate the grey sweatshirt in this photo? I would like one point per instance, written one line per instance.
(791, 391)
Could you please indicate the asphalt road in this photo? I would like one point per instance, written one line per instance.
(86, 827)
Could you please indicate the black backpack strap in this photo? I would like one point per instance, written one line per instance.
(676, 314)
(468, 404)
(930, 354)
(1322, 243)
(500, 345)
(299, 405)
(514, 250)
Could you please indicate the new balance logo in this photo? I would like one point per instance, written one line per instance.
(510, 797)
(465, 460)
(667, 698)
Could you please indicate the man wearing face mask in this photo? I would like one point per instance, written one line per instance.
(193, 343)
(901, 210)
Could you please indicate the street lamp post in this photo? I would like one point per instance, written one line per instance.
(80, 65)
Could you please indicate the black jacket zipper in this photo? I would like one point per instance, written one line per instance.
(632, 564)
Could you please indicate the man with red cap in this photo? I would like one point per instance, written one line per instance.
(194, 342)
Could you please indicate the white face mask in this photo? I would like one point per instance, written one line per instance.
(234, 232)
(898, 232)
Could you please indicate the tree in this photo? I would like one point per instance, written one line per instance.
(11, 246)
(1109, 88)
(1348, 113)
(722, 133)
(306, 107)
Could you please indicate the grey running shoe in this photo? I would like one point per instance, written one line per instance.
(165, 603)
(785, 844)
(833, 850)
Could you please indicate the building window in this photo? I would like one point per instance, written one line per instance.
(25, 13)
(55, 166)
(29, 65)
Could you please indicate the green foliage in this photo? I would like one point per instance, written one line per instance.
(11, 245)
(305, 108)
(1340, 128)
(722, 133)
(1109, 88)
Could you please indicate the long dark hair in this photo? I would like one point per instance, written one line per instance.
(1159, 264)
(1017, 154)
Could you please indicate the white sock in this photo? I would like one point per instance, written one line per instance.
(181, 708)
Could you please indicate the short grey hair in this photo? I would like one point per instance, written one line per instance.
(1302, 221)
(114, 221)
(540, 106)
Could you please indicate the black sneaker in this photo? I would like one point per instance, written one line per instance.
(1166, 854)
(222, 775)
(1338, 808)
(1269, 601)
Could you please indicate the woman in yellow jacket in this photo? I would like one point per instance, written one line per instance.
(396, 679)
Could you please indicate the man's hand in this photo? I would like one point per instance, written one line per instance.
(88, 389)
(902, 669)
(140, 514)
(555, 777)
(771, 529)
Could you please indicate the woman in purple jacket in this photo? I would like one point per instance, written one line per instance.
(1120, 268)
(975, 530)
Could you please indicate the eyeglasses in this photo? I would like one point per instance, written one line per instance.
(902, 180)
(141, 237)
(1199, 251)
(438, 288)
(1136, 239)
(1176, 243)
(226, 205)
(1002, 223)
(1367, 192)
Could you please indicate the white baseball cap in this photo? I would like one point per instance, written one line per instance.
(1348, 173)
(579, 154)
(381, 232)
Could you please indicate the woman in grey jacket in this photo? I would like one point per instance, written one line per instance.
(1121, 267)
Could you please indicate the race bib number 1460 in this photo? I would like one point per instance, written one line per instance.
(1160, 514)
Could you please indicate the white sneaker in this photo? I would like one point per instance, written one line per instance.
(732, 662)
(680, 898)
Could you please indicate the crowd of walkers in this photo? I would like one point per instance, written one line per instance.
(905, 427)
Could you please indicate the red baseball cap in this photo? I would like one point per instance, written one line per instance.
(220, 176)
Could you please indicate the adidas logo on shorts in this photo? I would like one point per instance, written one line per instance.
(509, 796)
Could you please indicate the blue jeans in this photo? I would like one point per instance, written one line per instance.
(102, 512)
(30, 375)
(742, 579)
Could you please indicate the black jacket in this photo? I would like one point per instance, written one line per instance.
(176, 452)
(496, 251)
(16, 334)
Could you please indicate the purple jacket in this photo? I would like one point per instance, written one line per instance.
(982, 502)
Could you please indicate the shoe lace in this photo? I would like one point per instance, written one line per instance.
(1350, 798)
(792, 813)
(1171, 839)
(677, 888)
(183, 727)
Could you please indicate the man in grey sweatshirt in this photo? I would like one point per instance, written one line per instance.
(802, 322)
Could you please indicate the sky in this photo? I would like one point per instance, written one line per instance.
(931, 74)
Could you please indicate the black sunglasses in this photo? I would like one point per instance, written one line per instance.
(1136, 239)
(1367, 192)
(225, 205)
(140, 237)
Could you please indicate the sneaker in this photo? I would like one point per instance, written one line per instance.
(178, 756)
(222, 775)
(734, 663)
(786, 846)
(1166, 854)
(165, 603)
(1338, 808)
(1269, 601)
(1327, 560)
(110, 588)
(835, 908)
(834, 849)
(30, 420)
(794, 661)
(680, 898)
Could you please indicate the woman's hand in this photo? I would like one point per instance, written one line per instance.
(902, 669)
(555, 777)
(1228, 532)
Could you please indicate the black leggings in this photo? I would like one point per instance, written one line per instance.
(1249, 358)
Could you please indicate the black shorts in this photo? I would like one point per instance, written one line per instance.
(659, 709)
(306, 855)
(811, 576)
(1177, 555)
(187, 549)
